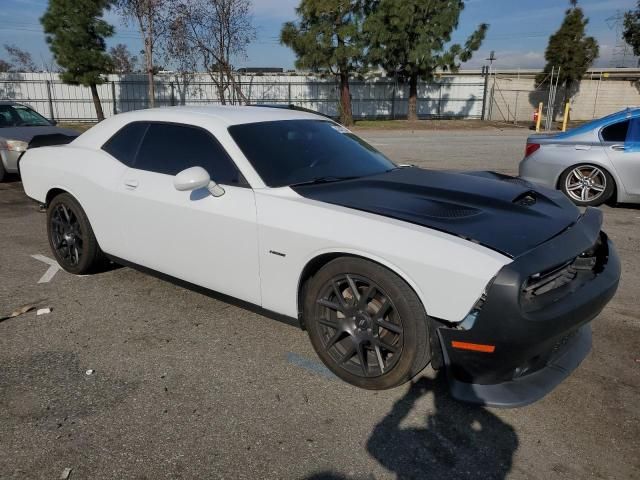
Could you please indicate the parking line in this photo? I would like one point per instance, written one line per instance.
(51, 271)
(310, 365)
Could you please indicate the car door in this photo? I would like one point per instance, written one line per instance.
(205, 240)
(621, 141)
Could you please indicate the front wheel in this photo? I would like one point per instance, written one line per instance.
(366, 324)
(71, 237)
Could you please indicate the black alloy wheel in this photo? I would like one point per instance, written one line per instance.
(366, 324)
(66, 235)
(71, 237)
(359, 326)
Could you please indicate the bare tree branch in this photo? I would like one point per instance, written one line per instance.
(219, 31)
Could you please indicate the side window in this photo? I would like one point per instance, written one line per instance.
(616, 132)
(169, 149)
(125, 142)
(632, 143)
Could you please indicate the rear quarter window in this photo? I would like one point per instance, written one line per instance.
(616, 132)
(124, 144)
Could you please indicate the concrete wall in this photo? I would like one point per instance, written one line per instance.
(513, 98)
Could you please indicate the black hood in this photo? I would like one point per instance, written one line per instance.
(27, 133)
(503, 213)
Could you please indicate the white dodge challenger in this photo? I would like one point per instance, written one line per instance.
(387, 267)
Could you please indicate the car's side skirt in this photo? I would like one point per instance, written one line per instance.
(295, 322)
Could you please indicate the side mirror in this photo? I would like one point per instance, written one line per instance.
(195, 178)
(53, 122)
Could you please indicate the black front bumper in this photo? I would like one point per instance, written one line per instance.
(540, 335)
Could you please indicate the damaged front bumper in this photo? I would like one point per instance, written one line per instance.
(533, 328)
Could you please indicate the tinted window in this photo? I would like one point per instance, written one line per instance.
(20, 116)
(169, 149)
(295, 151)
(124, 144)
(616, 132)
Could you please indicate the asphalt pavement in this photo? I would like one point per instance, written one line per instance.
(133, 377)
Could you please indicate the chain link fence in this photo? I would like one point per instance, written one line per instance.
(514, 98)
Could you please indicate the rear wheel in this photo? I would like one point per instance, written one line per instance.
(3, 172)
(587, 185)
(366, 324)
(71, 237)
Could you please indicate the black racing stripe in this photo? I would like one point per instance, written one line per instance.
(503, 213)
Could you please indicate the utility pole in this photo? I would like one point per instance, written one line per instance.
(485, 74)
(491, 59)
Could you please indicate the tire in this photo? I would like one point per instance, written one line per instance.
(71, 237)
(377, 343)
(3, 172)
(587, 185)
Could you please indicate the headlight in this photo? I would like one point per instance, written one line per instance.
(13, 145)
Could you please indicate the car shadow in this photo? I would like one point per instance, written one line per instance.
(629, 206)
(455, 440)
(11, 178)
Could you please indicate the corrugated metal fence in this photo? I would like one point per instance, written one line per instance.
(449, 97)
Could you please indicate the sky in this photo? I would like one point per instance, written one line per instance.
(518, 30)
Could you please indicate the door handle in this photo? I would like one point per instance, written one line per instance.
(131, 184)
(582, 147)
(618, 148)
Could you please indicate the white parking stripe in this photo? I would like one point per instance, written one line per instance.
(51, 271)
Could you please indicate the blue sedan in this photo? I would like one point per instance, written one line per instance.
(592, 164)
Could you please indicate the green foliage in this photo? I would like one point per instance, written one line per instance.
(631, 33)
(75, 33)
(570, 49)
(411, 38)
(327, 36)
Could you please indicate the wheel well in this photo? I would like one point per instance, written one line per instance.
(614, 195)
(51, 194)
(309, 270)
(320, 261)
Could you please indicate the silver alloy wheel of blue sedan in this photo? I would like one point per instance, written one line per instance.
(585, 183)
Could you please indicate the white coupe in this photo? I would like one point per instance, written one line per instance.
(387, 267)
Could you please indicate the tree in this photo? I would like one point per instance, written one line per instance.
(122, 59)
(76, 36)
(151, 19)
(569, 52)
(327, 38)
(410, 40)
(219, 31)
(631, 33)
(5, 66)
(21, 59)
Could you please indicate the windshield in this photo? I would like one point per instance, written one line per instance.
(289, 152)
(21, 116)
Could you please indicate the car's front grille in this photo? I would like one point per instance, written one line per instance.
(554, 283)
(540, 284)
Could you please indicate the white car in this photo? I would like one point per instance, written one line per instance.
(388, 268)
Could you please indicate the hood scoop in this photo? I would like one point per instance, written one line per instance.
(430, 208)
(526, 199)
